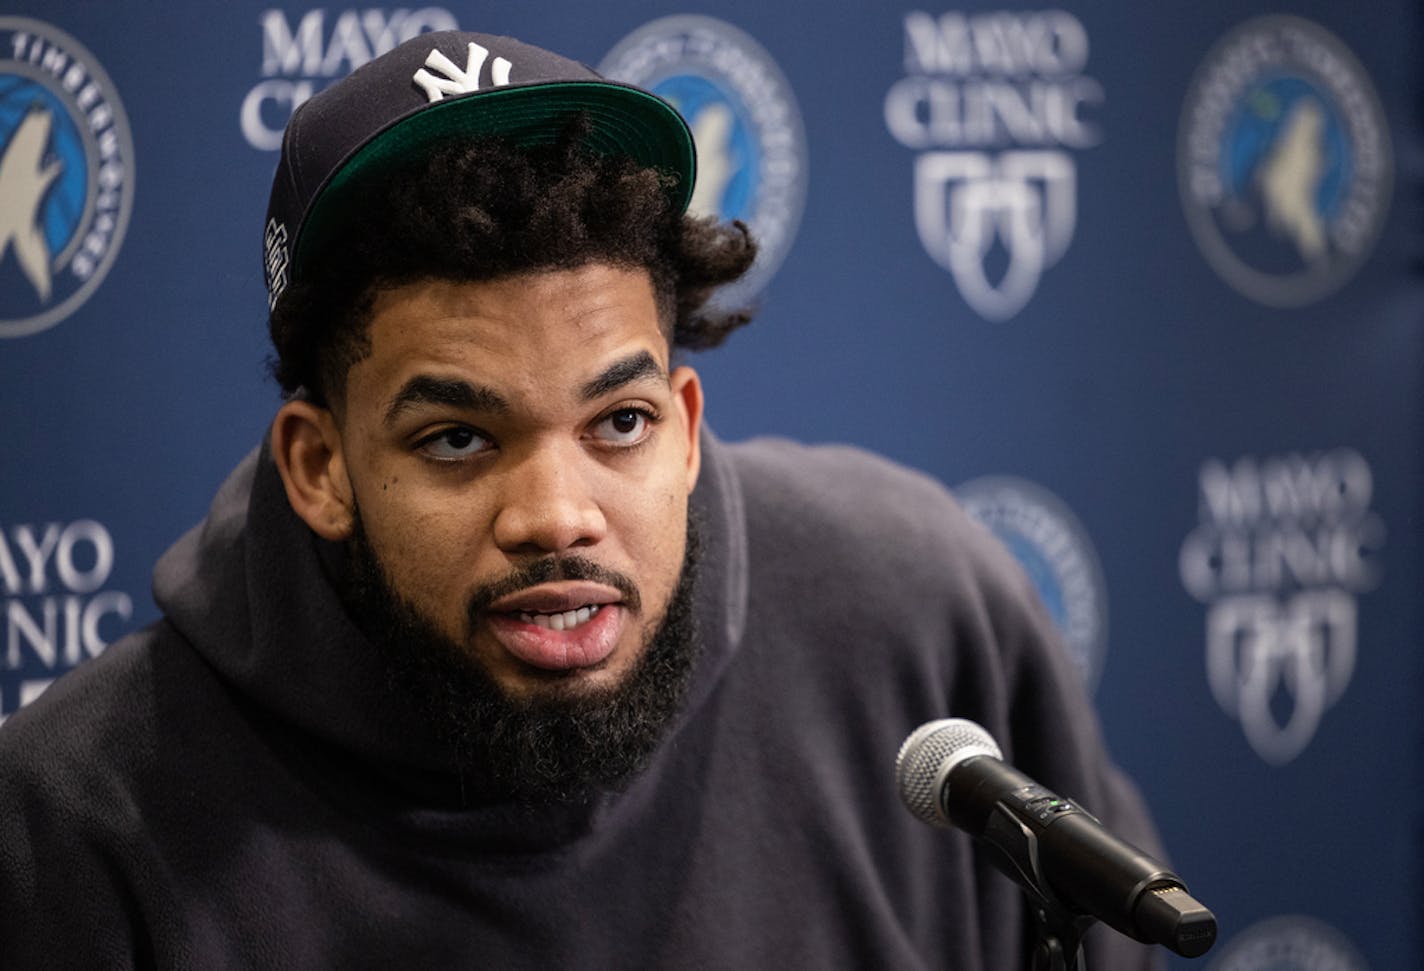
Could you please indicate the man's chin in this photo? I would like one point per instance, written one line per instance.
(520, 731)
(546, 736)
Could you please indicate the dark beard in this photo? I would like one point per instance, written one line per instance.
(560, 743)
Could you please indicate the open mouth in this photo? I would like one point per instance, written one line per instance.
(562, 624)
(575, 637)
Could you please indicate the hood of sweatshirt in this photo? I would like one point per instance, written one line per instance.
(253, 589)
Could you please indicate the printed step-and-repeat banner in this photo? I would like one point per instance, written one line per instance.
(1140, 281)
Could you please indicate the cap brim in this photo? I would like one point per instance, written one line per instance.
(623, 121)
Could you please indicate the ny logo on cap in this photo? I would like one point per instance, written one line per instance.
(457, 80)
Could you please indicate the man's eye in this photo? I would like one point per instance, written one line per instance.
(626, 426)
(454, 443)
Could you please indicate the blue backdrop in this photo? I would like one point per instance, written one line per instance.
(1141, 280)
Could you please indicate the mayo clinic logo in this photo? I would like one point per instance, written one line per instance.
(66, 175)
(1284, 546)
(1289, 943)
(994, 103)
(301, 56)
(1054, 550)
(57, 611)
(751, 146)
(1284, 161)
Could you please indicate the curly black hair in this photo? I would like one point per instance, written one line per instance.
(484, 209)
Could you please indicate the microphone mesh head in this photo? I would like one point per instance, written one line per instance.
(927, 757)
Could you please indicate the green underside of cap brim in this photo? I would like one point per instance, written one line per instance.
(623, 121)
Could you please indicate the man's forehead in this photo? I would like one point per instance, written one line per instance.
(558, 322)
(588, 283)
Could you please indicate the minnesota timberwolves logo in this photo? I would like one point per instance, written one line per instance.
(66, 175)
(751, 147)
(1289, 944)
(1053, 548)
(1284, 161)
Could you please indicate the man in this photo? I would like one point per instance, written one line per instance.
(492, 655)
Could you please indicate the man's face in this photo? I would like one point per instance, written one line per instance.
(521, 458)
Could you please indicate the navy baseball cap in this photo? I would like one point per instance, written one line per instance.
(451, 85)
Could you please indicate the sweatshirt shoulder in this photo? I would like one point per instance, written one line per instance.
(824, 480)
(845, 500)
(91, 714)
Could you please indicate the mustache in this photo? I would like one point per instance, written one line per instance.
(548, 570)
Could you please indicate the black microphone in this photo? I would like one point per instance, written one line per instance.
(950, 773)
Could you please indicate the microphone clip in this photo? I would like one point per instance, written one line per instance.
(1059, 929)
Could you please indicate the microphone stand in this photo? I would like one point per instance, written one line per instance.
(1059, 939)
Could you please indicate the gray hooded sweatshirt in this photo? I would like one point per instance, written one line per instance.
(236, 786)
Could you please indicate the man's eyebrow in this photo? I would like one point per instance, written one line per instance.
(451, 392)
(635, 367)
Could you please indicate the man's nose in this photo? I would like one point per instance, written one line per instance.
(548, 504)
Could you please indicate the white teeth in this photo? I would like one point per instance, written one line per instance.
(563, 621)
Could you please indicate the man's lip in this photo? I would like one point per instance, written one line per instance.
(557, 597)
(585, 645)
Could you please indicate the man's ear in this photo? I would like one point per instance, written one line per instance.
(306, 445)
(687, 398)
